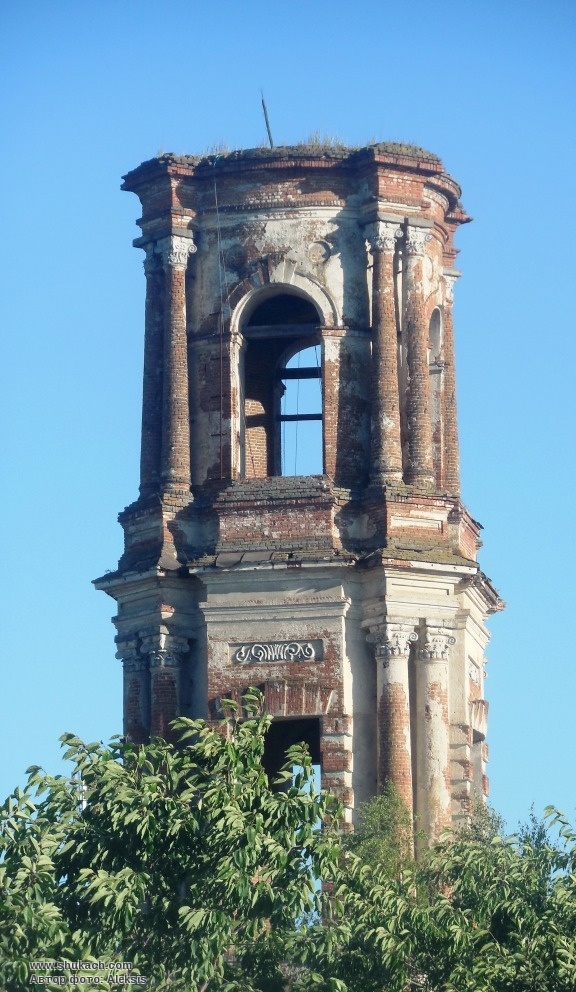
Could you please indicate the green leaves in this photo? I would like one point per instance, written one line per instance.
(183, 860)
(180, 858)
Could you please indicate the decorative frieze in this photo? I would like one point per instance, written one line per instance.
(276, 651)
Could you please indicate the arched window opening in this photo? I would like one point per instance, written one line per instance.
(436, 367)
(282, 391)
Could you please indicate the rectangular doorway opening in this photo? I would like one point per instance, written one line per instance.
(283, 734)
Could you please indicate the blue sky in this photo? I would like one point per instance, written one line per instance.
(92, 89)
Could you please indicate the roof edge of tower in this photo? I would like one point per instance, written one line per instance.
(312, 152)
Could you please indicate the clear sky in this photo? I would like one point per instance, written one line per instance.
(90, 89)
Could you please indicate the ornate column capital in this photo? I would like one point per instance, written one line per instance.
(397, 640)
(152, 260)
(416, 240)
(129, 654)
(436, 644)
(393, 639)
(450, 277)
(382, 235)
(164, 659)
(175, 251)
(164, 650)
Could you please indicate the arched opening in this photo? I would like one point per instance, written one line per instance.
(282, 388)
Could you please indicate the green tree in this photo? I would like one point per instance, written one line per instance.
(383, 836)
(481, 913)
(182, 860)
(511, 904)
(179, 859)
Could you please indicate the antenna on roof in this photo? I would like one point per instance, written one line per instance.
(267, 121)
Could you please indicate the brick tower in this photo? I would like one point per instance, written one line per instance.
(351, 596)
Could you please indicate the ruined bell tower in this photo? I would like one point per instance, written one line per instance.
(349, 592)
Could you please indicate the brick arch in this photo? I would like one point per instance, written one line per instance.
(246, 297)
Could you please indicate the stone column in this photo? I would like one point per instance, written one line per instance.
(386, 448)
(151, 445)
(136, 691)
(433, 786)
(421, 466)
(165, 652)
(393, 700)
(175, 406)
(451, 458)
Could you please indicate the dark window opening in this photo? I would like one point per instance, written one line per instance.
(283, 310)
(283, 734)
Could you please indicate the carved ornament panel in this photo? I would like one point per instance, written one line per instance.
(257, 652)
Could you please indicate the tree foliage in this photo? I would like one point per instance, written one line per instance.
(383, 835)
(182, 860)
(480, 913)
(178, 859)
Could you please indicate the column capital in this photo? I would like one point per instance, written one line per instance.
(164, 650)
(416, 240)
(382, 235)
(152, 260)
(450, 277)
(175, 251)
(436, 644)
(393, 638)
(164, 659)
(128, 651)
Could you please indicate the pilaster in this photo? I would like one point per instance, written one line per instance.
(136, 690)
(420, 457)
(393, 701)
(175, 251)
(433, 792)
(386, 448)
(165, 653)
(451, 480)
(151, 444)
